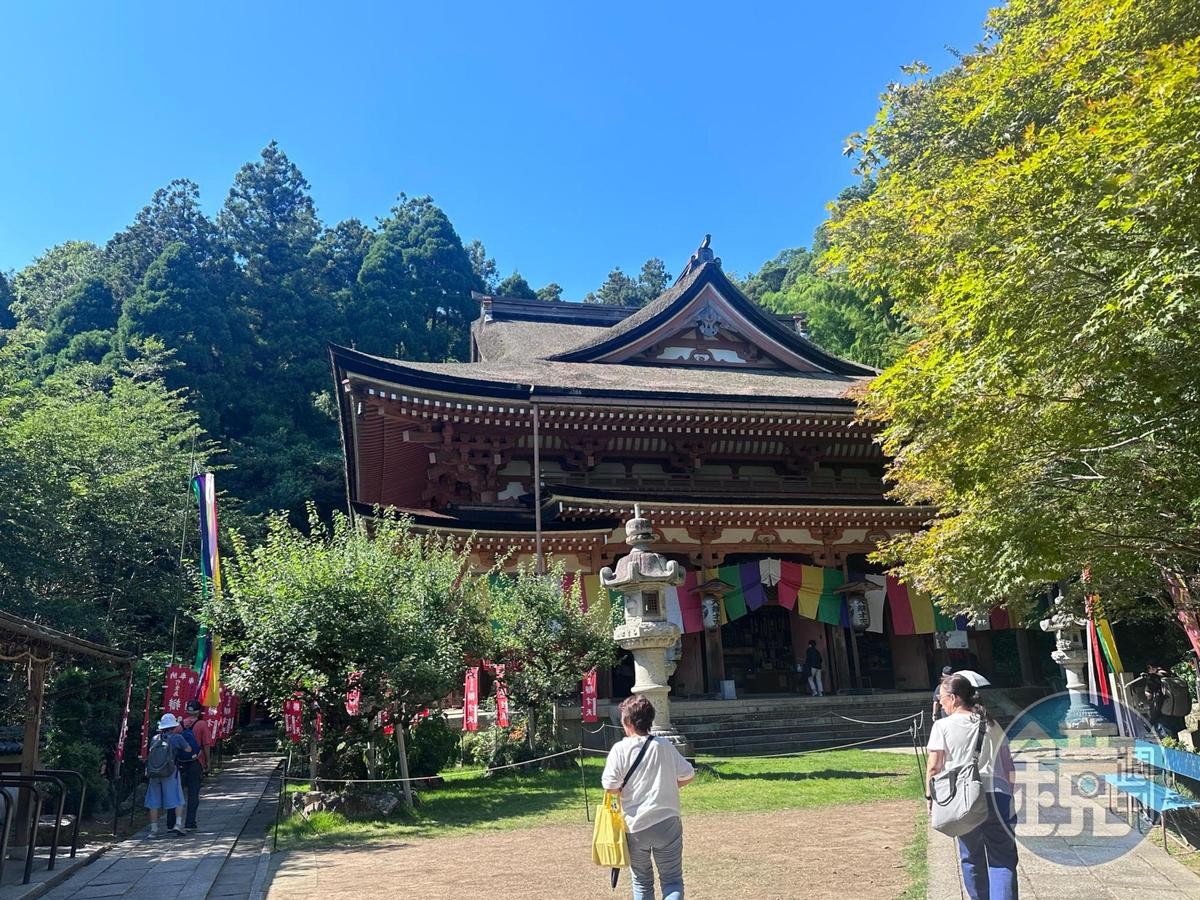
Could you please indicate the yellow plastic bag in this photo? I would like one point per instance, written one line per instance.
(610, 846)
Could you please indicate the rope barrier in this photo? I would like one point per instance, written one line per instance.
(917, 715)
(824, 749)
(791, 752)
(528, 762)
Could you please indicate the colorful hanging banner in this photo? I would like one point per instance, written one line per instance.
(588, 706)
(941, 621)
(830, 603)
(205, 488)
(770, 571)
(208, 665)
(293, 720)
(1109, 645)
(808, 597)
(790, 578)
(733, 600)
(897, 598)
(501, 698)
(179, 688)
(921, 605)
(752, 586)
(471, 700)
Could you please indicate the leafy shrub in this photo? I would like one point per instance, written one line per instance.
(432, 744)
(493, 747)
(87, 759)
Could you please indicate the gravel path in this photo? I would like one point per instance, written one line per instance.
(832, 852)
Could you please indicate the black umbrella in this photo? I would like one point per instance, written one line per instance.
(616, 873)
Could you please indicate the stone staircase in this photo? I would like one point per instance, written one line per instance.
(763, 725)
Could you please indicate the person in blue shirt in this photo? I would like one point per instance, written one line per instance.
(163, 791)
(190, 770)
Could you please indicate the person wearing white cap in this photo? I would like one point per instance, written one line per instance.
(162, 768)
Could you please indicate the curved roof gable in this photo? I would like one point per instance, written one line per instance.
(704, 321)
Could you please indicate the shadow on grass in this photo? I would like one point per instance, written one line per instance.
(821, 775)
(473, 802)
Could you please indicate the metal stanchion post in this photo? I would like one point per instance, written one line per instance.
(587, 811)
(279, 805)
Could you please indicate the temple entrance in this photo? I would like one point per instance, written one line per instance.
(875, 659)
(758, 652)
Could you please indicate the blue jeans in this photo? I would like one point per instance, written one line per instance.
(989, 854)
(664, 842)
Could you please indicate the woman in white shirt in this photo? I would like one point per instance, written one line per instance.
(650, 799)
(989, 853)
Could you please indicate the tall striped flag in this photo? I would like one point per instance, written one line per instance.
(208, 651)
(204, 487)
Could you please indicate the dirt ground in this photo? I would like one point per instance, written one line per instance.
(835, 852)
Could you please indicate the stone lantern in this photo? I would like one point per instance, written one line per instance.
(1069, 652)
(643, 577)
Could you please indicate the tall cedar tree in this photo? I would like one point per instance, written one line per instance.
(45, 283)
(416, 285)
(290, 453)
(515, 286)
(80, 328)
(185, 305)
(172, 216)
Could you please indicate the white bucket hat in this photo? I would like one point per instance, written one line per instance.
(167, 721)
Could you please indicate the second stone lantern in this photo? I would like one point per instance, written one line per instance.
(643, 577)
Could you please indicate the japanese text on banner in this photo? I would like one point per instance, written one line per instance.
(588, 712)
(471, 700)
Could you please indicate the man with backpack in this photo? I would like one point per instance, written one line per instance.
(191, 763)
(163, 771)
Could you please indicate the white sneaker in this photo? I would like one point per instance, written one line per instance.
(178, 830)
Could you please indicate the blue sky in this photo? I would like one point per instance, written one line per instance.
(568, 137)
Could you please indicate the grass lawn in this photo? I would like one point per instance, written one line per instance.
(916, 861)
(470, 802)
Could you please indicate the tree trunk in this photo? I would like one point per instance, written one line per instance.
(532, 728)
(403, 750)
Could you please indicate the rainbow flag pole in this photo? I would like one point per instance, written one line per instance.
(208, 650)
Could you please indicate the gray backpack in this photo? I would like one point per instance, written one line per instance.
(959, 804)
(160, 761)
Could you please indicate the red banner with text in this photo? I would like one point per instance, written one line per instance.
(588, 712)
(471, 700)
(179, 689)
(501, 699)
(293, 721)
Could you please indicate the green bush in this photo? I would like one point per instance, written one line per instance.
(87, 759)
(432, 744)
(492, 747)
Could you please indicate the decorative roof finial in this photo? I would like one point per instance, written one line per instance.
(702, 255)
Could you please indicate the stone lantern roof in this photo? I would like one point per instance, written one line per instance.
(641, 567)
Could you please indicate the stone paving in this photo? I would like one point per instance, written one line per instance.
(1071, 867)
(184, 867)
